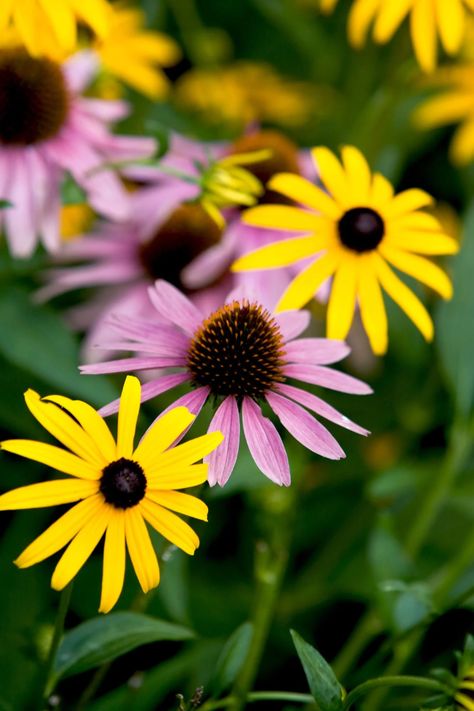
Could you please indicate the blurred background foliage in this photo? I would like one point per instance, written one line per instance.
(379, 575)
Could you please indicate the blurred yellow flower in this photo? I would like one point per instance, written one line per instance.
(244, 92)
(50, 26)
(428, 20)
(75, 220)
(135, 55)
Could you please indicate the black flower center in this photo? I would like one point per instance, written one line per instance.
(361, 229)
(123, 483)
(187, 233)
(283, 159)
(237, 351)
(34, 100)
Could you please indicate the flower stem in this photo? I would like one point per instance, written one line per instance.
(50, 676)
(384, 681)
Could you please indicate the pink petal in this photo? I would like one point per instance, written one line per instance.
(123, 365)
(149, 391)
(320, 407)
(194, 401)
(104, 111)
(222, 460)
(209, 265)
(175, 307)
(304, 427)
(80, 69)
(265, 444)
(316, 350)
(327, 378)
(292, 323)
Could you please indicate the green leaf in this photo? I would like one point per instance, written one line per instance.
(5, 203)
(71, 192)
(455, 325)
(103, 639)
(231, 659)
(39, 342)
(325, 688)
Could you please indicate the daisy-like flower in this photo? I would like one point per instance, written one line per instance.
(429, 19)
(51, 27)
(352, 233)
(135, 55)
(48, 130)
(464, 696)
(241, 357)
(119, 488)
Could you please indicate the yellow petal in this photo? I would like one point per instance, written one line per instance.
(52, 456)
(462, 146)
(162, 434)
(47, 493)
(301, 190)
(60, 532)
(170, 526)
(342, 298)
(185, 454)
(382, 190)
(114, 561)
(405, 298)
(422, 242)
(332, 174)
(80, 548)
(25, 16)
(62, 21)
(451, 23)
(181, 503)
(95, 13)
(449, 107)
(127, 416)
(177, 478)
(423, 34)
(406, 202)
(62, 426)
(390, 17)
(91, 422)
(416, 221)
(372, 308)
(281, 217)
(361, 15)
(6, 9)
(142, 553)
(305, 285)
(419, 268)
(358, 174)
(278, 254)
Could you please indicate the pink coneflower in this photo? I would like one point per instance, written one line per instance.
(241, 356)
(48, 130)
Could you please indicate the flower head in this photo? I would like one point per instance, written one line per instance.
(240, 356)
(428, 20)
(119, 487)
(69, 134)
(51, 27)
(351, 233)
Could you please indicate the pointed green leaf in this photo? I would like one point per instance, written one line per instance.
(231, 659)
(325, 688)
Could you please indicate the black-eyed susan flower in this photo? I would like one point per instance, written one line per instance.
(119, 488)
(135, 55)
(47, 27)
(429, 19)
(464, 696)
(352, 233)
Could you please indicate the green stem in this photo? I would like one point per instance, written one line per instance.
(189, 24)
(367, 627)
(255, 696)
(411, 681)
(51, 679)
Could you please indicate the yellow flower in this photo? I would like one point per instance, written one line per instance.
(352, 233)
(135, 55)
(75, 220)
(454, 104)
(465, 694)
(49, 26)
(118, 488)
(246, 92)
(428, 19)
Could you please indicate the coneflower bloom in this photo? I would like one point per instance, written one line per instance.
(429, 19)
(351, 234)
(241, 357)
(48, 130)
(119, 488)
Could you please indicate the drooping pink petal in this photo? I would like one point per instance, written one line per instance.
(155, 387)
(20, 218)
(292, 323)
(124, 365)
(327, 378)
(265, 444)
(209, 265)
(80, 69)
(304, 427)
(172, 305)
(318, 351)
(319, 406)
(222, 460)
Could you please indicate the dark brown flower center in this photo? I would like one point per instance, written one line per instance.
(34, 100)
(123, 483)
(283, 159)
(237, 351)
(187, 233)
(361, 229)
